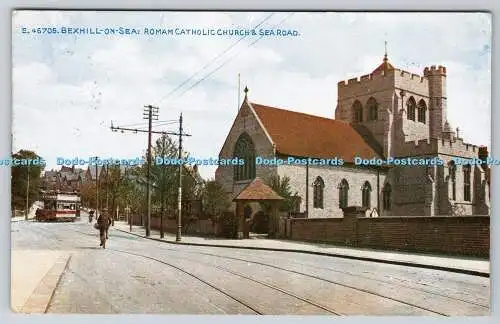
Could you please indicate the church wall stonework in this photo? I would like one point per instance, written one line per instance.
(409, 185)
(332, 176)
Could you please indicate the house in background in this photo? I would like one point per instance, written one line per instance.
(65, 179)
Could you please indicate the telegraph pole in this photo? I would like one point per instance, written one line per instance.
(151, 111)
(163, 151)
(27, 194)
(179, 199)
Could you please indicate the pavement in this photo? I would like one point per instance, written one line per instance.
(35, 275)
(31, 214)
(19, 219)
(472, 266)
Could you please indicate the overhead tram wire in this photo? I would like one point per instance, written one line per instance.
(233, 57)
(156, 122)
(166, 123)
(214, 59)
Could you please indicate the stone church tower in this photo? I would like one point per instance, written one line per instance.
(405, 114)
(396, 106)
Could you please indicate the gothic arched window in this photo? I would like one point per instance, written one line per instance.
(358, 111)
(467, 172)
(452, 169)
(411, 105)
(372, 109)
(365, 193)
(343, 193)
(245, 150)
(422, 110)
(387, 199)
(319, 186)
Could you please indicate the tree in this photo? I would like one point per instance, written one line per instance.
(165, 176)
(88, 193)
(19, 179)
(281, 185)
(114, 180)
(215, 199)
(133, 191)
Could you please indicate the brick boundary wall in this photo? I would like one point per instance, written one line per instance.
(454, 235)
(197, 227)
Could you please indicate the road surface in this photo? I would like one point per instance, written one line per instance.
(137, 275)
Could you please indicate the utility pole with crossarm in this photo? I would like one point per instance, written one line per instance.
(152, 112)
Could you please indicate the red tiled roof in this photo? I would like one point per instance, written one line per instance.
(385, 65)
(257, 190)
(303, 135)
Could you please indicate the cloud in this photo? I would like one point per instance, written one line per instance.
(68, 88)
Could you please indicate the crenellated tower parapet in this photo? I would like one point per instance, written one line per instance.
(365, 84)
(436, 146)
(458, 148)
(413, 84)
(418, 148)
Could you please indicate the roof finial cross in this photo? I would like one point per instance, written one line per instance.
(246, 93)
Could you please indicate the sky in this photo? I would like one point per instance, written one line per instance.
(67, 89)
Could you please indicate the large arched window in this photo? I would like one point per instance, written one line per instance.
(467, 172)
(422, 110)
(372, 109)
(357, 107)
(411, 105)
(343, 193)
(245, 150)
(319, 186)
(387, 199)
(452, 169)
(366, 193)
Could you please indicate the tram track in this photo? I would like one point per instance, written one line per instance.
(191, 275)
(284, 291)
(305, 300)
(332, 270)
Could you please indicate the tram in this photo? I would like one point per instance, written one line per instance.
(59, 206)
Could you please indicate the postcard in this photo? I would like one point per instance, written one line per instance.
(258, 163)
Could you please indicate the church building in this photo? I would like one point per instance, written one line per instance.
(389, 113)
